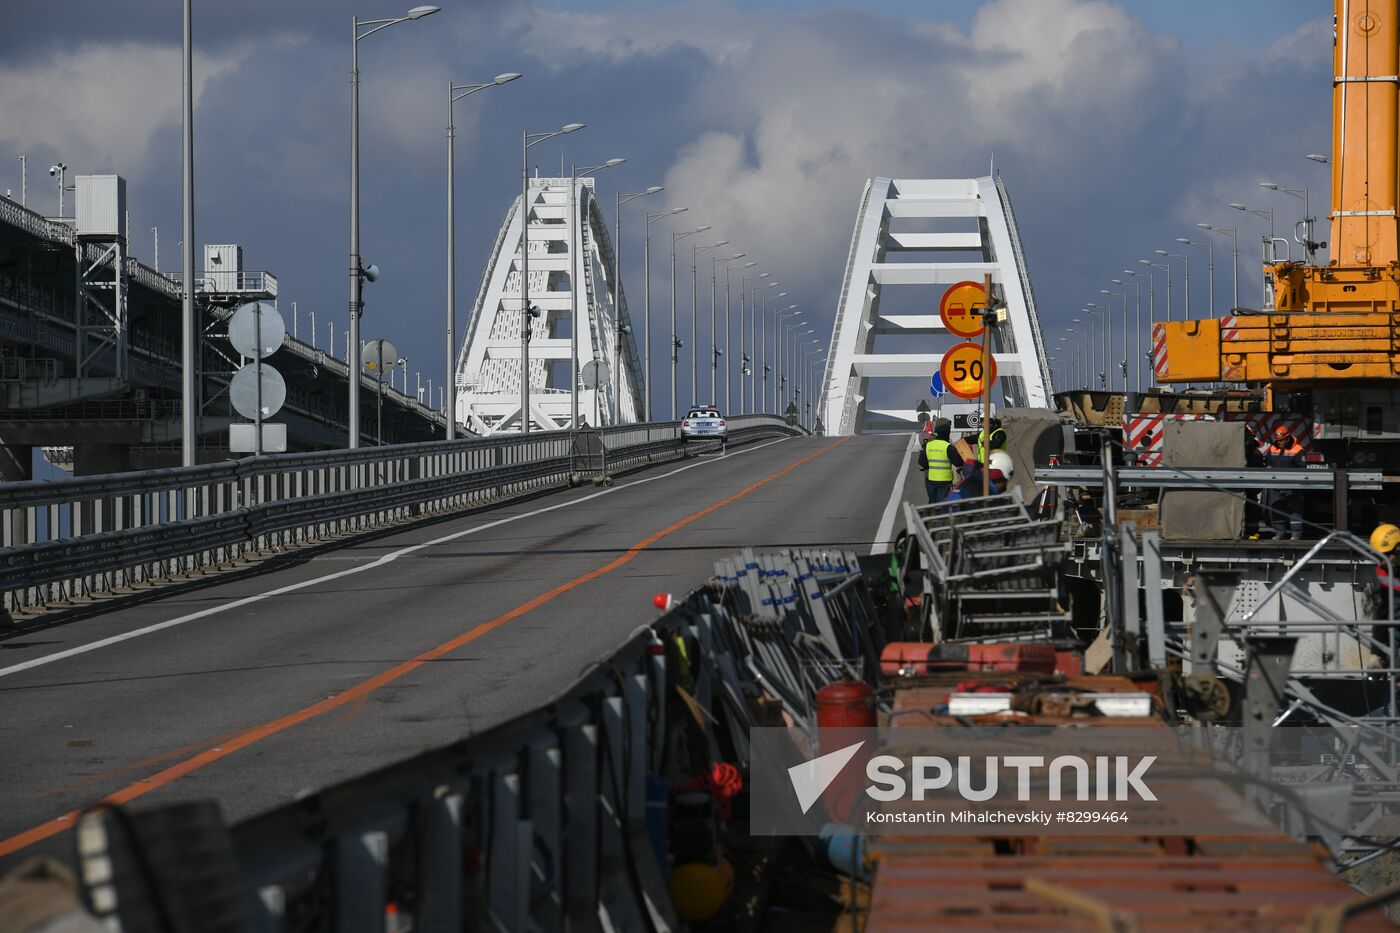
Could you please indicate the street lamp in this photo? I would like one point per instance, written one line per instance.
(1085, 349)
(456, 92)
(1269, 251)
(754, 307)
(1185, 258)
(1167, 268)
(60, 171)
(729, 337)
(1209, 246)
(1105, 314)
(1123, 363)
(763, 343)
(695, 250)
(1137, 327)
(646, 285)
(617, 294)
(527, 140)
(1146, 354)
(715, 351)
(1234, 255)
(1320, 159)
(812, 368)
(791, 371)
(358, 273)
(1305, 195)
(575, 268)
(748, 348)
(676, 342)
(780, 330)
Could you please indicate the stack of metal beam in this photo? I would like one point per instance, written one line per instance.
(990, 571)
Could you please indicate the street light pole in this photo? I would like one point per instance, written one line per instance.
(575, 267)
(763, 344)
(1235, 256)
(1107, 316)
(755, 310)
(1137, 331)
(729, 339)
(715, 352)
(528, 139)
(675, 336)
(189, 325)
(1209, 246)
(455, 92)
(780, 353)
(695, 250)
(357, 271)
(1185, 259)
(747, 345)
(617, 298)
(646, 287)
(1167, 268)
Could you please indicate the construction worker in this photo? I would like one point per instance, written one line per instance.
(997, 440)
(1253, 458)
(1285, 505)
(1384, 540)
(938, 461)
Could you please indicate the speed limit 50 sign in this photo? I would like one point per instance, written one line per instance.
(962, 370)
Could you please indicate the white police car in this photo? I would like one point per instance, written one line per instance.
(704, 422)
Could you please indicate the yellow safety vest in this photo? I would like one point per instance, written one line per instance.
(982, 444)
(940, 468)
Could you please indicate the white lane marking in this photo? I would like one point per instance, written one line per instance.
(361, 568)
(883, 541)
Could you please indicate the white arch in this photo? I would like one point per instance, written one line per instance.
(854, 360)
(487, 393)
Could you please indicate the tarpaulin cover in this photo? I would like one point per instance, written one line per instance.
(1189, 515)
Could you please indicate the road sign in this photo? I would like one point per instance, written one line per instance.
(243, 438)
(935, 386)
(962, 370)
(956, 309)
(254, 322)
(243, 391)
(595, 373)
(379, 356)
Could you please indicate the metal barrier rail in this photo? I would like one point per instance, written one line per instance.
(538, 824)
(1176, 478)
(73, 538)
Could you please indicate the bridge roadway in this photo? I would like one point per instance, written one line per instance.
(313, 670)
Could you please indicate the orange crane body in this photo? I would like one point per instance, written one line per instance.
(1329, 346)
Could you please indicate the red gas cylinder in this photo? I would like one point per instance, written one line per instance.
(845, 704)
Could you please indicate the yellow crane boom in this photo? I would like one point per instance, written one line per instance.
(1336, 324)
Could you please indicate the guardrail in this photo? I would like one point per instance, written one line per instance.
(65, 540)
(1244, 478)
(546, 822)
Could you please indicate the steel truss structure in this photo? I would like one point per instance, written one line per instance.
(945, 211)
(487, 392)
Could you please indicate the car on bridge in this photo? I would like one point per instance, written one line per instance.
(704, 423)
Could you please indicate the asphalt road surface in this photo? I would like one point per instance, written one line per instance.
(252, 690)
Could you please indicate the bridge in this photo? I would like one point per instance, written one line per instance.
(294, 618)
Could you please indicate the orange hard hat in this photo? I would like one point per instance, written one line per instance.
(1282, 431)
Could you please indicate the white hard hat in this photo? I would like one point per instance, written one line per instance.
(1001, 460)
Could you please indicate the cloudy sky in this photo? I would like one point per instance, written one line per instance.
(1117, 127)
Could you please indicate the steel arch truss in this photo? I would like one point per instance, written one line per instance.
(886, 206)
(487, 391)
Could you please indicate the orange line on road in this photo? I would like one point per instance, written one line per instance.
(365, 688)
